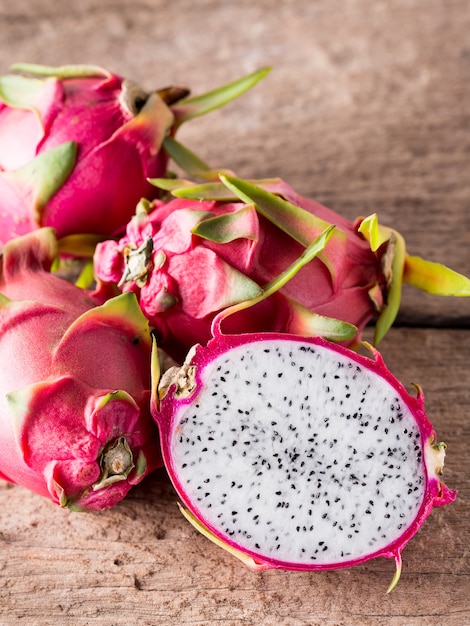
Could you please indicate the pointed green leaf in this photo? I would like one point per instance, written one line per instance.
(376, 235)
(206, 191)
(170, 184)
(82, 245)
(393, 263)
(303, 321)
(283, 214)
(21, 92)
(61, 71)
(241, 224)
(122, 311)
(140, 465)
(46, 174)
(86, 277)
(3, 300)
(35, 251)
(397, 574)
(155, 377)
(395, 257)
(184, 158)
(245, 558)
(435, 278)
(183, 188)
(191, 107)
(18, 405)
(308, 255)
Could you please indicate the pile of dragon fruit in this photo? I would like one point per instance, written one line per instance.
(202, 323)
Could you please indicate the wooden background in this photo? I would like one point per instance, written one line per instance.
(367, 109)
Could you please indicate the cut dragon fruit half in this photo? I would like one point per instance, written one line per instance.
(297, 453)
(294, 452)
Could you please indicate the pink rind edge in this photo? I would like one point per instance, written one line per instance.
(436, 492)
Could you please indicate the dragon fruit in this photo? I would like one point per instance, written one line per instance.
(78, 143)
(75, 423)
(219, 243)
(297, 453)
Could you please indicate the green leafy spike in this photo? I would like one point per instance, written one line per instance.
(184, 158)
(21, 92)
(396, 576)
(293, 220)
(3, 300)
(199, 105)
(171, 184)
(229, 226)
(121, 307)
(86, 277)
(46, 173)
(375, 234)
(156, 374)
(61, 71)
(245, 558)
(214, 190)
(394, 264)
(206, 191)
(435, 278)
(79, 245)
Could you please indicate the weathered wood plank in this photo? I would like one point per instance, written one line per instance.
(142, 563)
(367, 107)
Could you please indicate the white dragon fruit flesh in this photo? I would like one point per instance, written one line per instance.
(296, 453)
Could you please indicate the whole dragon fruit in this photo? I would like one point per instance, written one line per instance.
(297, 453)
(78, 143)
(218, 244)
(75, 423)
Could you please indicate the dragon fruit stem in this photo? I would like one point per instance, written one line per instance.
(116, 462)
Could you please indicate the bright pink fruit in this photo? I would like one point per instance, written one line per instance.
(75, 422)
(218, 245)
(296, 453)
(183, 276)
(76, 149)
(78, 144)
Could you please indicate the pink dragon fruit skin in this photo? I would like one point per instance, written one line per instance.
(190, 278)
(95, 119)
(296, 453)
(189, 258)
(74, 393)
(78, 144)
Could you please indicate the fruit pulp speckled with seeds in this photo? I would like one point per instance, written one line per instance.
(297, 453)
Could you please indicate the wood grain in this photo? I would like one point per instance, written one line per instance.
(367, 109)
(142, 563)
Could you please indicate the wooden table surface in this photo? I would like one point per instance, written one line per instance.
(367, 109)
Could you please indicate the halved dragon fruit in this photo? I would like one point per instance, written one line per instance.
(78, 143)
(297, 453)
(75, 422)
